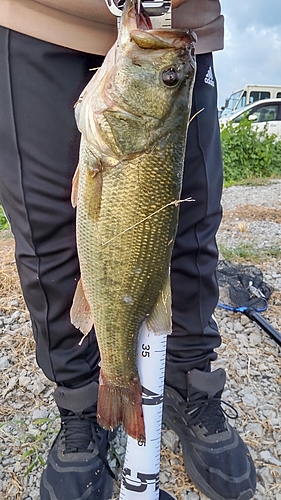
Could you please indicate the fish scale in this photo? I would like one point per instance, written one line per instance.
(133, 117)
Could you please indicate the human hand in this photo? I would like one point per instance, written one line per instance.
(177, 3)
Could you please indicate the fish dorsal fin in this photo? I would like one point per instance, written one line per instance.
(80, 313)
(160, 320)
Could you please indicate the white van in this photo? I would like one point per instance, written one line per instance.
(249, 94)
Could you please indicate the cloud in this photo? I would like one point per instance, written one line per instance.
(252, 12)
(252, 46)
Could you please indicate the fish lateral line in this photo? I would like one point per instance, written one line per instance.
(175, 203)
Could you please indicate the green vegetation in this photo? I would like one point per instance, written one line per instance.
(3, 221)
(30, 448)
(247, 252)
(249, 154)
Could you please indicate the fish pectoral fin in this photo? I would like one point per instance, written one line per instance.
(80, 312)
(91, 172)
(90, 168)
(92, 198)
(74, 192)
(160, 320)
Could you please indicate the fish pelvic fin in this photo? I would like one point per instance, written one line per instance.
(121, 405)
(74, 192)
(160, 320)
(80, 312)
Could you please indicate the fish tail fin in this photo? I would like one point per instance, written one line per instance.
(121, 405)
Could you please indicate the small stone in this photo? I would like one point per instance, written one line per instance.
(175, 461)
(32, 431)
(34, 495)
(40, 413)
(244, 320)
(24, 381)
(250, 399)
(15, 315)
(11, 385)
(163, 478)
(267, 457)
(170, 440)
(8, 321)
(255, 338)
(256, 429)
(183, 495)
(192, 496)
(38, 387)
(4, 363)
(260, 488)
(238, 327)
(13, 303)
(265, 476)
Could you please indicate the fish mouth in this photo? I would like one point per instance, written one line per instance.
(143, 20)
(136, 16)
(136, 26)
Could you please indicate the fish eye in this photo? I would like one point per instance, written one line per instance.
(171, 76)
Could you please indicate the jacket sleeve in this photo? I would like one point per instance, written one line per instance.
(95, 10)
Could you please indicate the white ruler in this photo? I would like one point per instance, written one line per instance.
(140, 478)
(158, 10)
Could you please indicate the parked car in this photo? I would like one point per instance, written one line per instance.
(266, 112)
(248, 95)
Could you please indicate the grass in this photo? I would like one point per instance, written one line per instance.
(31, 444)
(248, 252)
(3, 221)
(251, 181)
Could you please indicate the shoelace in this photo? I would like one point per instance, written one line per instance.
(209, 413)
(80, 434)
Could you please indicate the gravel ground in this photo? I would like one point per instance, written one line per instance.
(28, 421)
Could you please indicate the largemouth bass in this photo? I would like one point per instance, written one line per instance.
(133, 118)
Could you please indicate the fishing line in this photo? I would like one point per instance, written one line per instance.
(175, 202)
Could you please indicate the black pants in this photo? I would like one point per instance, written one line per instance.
(39, 84)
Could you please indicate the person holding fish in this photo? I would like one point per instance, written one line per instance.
(134, 164)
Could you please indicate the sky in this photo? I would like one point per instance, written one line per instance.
(252, 48)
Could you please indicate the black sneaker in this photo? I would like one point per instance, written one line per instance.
(215, 457)
(77, 467)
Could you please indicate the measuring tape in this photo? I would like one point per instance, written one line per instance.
(140, 477)
(158, 10)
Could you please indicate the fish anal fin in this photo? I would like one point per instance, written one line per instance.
(160, 320)
(80, 312)
(121, 405)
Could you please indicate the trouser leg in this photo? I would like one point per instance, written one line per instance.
(39, 85)
(194, 286)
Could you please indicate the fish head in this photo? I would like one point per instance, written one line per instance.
(142, 89)
(153, 68)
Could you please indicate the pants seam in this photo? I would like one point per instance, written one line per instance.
(24, 198)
